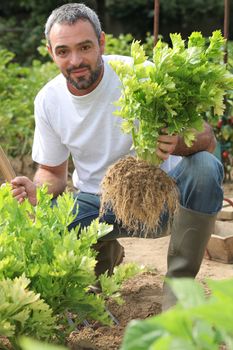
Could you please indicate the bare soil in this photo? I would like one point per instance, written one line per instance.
(142, 296)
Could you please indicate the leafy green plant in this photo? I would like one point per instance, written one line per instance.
(118, 45)
(37, 248)
(121, 45)
(110, 285)
(175, 92)
(36, 241)
(196, 322)
(23, 312)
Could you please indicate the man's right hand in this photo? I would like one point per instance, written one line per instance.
(23, 187)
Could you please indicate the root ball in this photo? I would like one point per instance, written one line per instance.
(138, 193)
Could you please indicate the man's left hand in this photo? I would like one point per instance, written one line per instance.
(166, 145)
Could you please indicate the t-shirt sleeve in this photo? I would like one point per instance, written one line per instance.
(47, 146)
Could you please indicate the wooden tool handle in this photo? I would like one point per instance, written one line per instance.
(5, 167)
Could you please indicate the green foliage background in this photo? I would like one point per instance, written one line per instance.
(22, 22)
(18, 88)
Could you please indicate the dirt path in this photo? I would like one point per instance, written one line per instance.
(153, 253)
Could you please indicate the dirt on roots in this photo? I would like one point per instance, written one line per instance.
(138, 193)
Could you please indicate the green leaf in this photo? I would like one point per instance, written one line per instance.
(188, 292)
(177, 42)
(138, 53)
(141, 335)
(31, 344)
(22, 311)
(111, 285)
(189, 137)
(196, 40)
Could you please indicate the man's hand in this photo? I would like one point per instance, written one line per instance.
(204, 141)
(166, 145)
(174, 144)
(23, 187)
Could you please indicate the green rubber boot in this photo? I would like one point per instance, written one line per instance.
(190, 234)
(110, 254)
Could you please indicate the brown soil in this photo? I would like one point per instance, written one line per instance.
(142, 298)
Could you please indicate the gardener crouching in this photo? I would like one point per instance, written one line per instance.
(74, 115)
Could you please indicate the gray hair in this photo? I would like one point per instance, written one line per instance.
(70, 14)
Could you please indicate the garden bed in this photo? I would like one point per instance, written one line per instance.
(142, 295)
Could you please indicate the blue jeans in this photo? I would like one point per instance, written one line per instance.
(199, 180)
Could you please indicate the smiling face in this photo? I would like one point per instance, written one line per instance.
(77, 52)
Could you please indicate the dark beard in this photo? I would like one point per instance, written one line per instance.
(84, 83)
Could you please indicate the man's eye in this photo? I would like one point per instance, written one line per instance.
(61, 52)
(85, 47)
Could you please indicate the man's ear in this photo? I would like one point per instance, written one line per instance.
(50, 51)
(102, 42)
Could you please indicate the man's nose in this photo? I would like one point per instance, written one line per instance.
(76, 58)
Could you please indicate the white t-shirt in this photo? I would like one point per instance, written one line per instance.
(83, 126)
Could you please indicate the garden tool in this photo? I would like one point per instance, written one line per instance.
(6, 167)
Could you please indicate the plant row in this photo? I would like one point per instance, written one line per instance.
(46, 271)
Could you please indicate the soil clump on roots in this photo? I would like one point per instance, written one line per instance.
(138, 193)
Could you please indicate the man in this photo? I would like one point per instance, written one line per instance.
(74, 115)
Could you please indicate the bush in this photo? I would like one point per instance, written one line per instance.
(18, 88)
(121, 45)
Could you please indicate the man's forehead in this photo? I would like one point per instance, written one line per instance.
(80, 27)
(63, 34)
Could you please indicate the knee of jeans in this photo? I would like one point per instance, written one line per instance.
(205, 171)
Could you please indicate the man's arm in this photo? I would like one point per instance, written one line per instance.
(174, 144)
(54, 177)
(205, 141)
